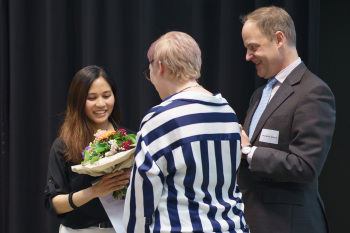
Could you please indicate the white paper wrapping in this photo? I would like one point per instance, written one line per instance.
(107, 165)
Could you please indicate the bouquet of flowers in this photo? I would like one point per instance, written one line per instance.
(110, 151)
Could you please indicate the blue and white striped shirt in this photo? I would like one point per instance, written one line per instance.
(184, 176)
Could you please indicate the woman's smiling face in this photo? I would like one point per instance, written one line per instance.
(99, 103)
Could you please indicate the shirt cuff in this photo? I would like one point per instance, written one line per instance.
(250, 155)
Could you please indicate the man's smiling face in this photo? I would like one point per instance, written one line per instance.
(261, 50)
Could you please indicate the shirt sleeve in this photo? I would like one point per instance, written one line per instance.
(144, 191)
(250, 155)
(56, 176)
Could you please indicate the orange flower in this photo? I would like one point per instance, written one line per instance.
(105, 135)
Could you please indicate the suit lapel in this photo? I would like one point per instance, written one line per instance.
(281, 95)
(284, 92)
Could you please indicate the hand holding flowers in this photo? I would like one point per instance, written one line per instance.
(113, 182)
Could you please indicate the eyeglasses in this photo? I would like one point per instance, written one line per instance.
(146, 71)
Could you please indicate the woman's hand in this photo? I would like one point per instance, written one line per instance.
(111, 182)
(108, 183)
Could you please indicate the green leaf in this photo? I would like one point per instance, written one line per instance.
(101, 147)
(87, 156)
(94, 159)
(114, 136)
(119, 142)
(131, 137)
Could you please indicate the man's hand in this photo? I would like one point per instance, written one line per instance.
(244, 137)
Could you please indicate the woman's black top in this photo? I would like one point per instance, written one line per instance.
(62, 180)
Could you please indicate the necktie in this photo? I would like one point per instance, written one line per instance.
(262, 105)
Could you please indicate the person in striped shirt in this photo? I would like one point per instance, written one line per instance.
(188, 150)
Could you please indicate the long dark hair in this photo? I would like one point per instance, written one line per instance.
(76, 130)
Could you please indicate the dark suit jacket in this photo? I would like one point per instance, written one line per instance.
(280, 190)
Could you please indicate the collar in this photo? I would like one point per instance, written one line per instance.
(282, 75)
(194, 96)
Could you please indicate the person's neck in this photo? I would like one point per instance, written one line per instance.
(185, 86)
(290, 55)
(174, 87)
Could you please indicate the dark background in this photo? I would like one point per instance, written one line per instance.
(43, 43)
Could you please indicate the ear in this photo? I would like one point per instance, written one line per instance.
(160, 67)
(280, 39)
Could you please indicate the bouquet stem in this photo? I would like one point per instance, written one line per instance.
(120, 194)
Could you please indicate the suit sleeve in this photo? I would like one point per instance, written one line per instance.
(310, 135)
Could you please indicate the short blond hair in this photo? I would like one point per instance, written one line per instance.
(272, 19)
(180, 53)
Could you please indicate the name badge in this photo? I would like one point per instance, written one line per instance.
(269, 136)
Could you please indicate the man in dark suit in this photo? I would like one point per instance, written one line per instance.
(285, 144)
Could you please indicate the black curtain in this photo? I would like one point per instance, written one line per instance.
(334, 69)
(44, 43)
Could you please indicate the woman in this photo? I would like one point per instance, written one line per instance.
(92, 105)
(188, 150)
